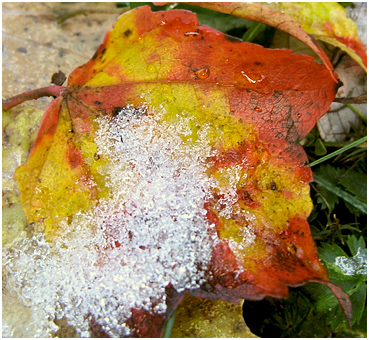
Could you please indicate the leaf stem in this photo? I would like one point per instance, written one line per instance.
(49, 91)
(341, 150)
(352, 100)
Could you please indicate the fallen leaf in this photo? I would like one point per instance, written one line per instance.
(170, 164)
(343, 47)
(326, 19)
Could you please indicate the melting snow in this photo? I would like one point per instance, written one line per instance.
(150, 232)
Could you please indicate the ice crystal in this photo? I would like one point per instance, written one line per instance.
(150, 232)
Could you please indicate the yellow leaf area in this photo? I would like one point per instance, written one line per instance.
(59, 178)
(198, 318)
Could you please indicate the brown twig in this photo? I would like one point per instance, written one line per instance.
(352, 100)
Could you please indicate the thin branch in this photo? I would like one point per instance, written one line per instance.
(352, 100)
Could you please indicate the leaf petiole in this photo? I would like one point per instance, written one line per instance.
(49, 91)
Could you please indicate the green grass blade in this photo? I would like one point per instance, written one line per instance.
(253, 31)
(341, 150)
(340, 193)
(169, 326)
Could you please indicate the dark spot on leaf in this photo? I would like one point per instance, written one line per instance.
(97, 54)
(273, 186)
(74, 158)
(127, 33)
(116, 110)
(97, 102)
(94, 56)
(257, 63)
(246, 195)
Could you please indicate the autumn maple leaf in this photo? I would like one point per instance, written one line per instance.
(171, 164)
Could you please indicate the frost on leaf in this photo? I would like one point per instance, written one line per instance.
(150, 232)
(153, 179)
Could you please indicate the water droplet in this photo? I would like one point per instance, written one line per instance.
(253, 78)
(202, 73)
(258, 109)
